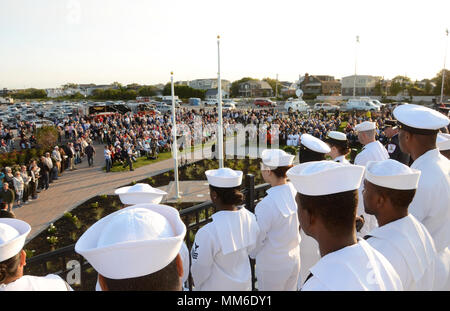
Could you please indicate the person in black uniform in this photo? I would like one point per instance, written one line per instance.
(392, 145)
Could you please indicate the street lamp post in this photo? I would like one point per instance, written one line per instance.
(443, 71)
(354, 80)
(174, 135)
(219, 94)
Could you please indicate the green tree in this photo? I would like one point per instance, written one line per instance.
(438, 80)
(147, 91)
(272, 83)
(183, 91)
(46, 137)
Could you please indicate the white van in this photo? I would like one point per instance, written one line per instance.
(296, 105)
(361, 104)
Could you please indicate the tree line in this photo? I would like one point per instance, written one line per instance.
(399, 84)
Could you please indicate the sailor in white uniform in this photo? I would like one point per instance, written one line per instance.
(311, 149)
(142, 194)
(13, 233)
(373, 151)
(136, 248)
(339, 146)
(389, 188)
(419, 127)
(220, 253)
(277, 251)
(443, 144)
(327, 202)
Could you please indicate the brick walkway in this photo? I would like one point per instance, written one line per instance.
(75, 187)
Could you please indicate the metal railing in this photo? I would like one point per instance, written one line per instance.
(66, 263)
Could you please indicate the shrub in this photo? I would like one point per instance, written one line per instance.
(95, 204)
(51, 229)
(52, 240)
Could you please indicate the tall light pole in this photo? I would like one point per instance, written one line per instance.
(276, 87)
(443, 71)
(354, 80)
(219, 95)
(174, 144)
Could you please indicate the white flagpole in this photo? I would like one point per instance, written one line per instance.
(219, 95)
(174, 145)
(354, 80)
(443, 71)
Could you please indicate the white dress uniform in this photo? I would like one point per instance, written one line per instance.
(355, 267)
(431, 204)
(13, 233)
(341, 159)
(220, 253)
(277, 251)
(51, 282)
(405, 242)
(290, 140)
(374, 151)
(358, 267)
(409, 247)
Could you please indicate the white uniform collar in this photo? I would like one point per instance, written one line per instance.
(348, 268)
(282, 198)
(399, 234)
(236, 230)
(425, 157)
(341, 159)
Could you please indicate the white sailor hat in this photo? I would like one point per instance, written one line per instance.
(314, 144)
(419, 119)
(337, 135)
(13, 233)
(273, 158)
(365, 126)
(135, 241)
(140, 193)
(392, 174)
(443, 141)
(325, 177)
(224, 177)
(337, 138)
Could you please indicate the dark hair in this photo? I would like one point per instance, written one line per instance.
(307, 155)
(280, 171)
(337, 210)
(229, 196)
(8, 267)
(166, 279)
(398, 198)
(342, 148)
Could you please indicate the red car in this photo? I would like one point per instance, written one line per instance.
(264, 103)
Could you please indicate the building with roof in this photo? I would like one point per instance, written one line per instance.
(364, 85)
(255, 88)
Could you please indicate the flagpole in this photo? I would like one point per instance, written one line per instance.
(354, 80)
(174, 144)
(219, 94)
(443, 71)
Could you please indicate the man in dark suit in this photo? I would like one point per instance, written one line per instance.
(44, 172)
(393, 145)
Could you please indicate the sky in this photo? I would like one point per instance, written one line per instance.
(47, 43)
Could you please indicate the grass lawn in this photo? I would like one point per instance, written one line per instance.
(142, 161)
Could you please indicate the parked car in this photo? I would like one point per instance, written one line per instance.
(296, 105)
(264, 103)
(326, 106)
(361, 104)
(228, 106)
